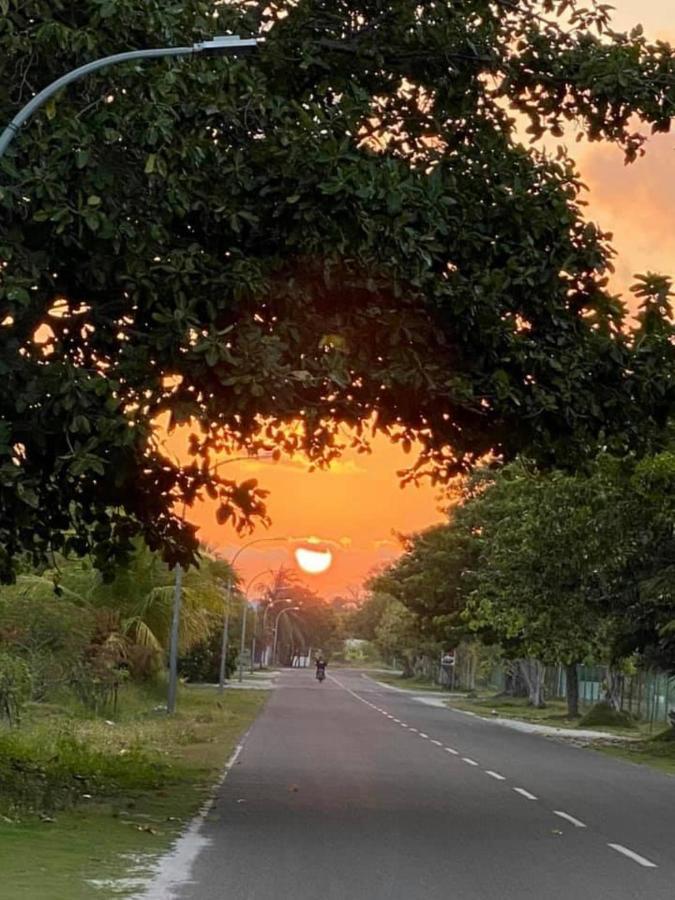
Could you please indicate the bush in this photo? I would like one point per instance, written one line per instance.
(202, 663)
(602, 714)
(40, 775)
(15, 687)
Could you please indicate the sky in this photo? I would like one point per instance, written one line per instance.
(358, 505)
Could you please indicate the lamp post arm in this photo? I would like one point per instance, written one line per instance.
(218, 45)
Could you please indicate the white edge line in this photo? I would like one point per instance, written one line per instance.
(640, 860)
(173, 868)
(563, 815)
(524, 793)
(495, 775)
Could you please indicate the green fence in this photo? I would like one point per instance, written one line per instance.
(648, 695)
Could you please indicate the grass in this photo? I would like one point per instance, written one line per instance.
(554, 714)
(140, 778)
(657, 752)
(410, 684)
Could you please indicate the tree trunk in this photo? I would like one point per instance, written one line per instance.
(613, 689)
(533, 673)
(572, 681)
(408, 671)
(514, 683)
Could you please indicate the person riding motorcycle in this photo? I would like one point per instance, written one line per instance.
(320, 668)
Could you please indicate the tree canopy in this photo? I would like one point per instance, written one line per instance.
(345, 229)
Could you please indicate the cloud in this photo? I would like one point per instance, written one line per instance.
(636, 203)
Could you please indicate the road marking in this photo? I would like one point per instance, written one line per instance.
(438, 743)
(398, 721)
(469, 761)
(563, 815)
(450, 750)
(524, 793)
(423, 735)
(640, 860)
(495, 775)
(402, 724)
(413, 729)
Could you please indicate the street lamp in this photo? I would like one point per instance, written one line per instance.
(230, 586)
(175, 619)
(269, 606)
(221, 46)
(276, 629)
(255, 624)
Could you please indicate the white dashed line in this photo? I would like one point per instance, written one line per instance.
(495, 775)
(413, 729)
(640, 860)
(450, 750)
(398, 721)
(524, 793)
(438, 743)
(402, 724)
(563, 815)
(423, 735)
(469, 761)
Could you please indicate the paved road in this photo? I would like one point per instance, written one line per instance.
(351, 791)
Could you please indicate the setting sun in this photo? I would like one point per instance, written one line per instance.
(314, 562)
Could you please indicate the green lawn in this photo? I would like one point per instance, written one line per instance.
(658, 753)
(130, 815)
(409, 684)
(553, 714)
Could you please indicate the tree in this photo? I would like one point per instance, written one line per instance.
(343, 230)
(428, 580)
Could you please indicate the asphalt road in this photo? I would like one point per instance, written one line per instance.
(351, 791)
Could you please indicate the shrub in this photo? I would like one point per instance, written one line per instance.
(41, 775)
(604, 714)
(15, 686)
(202, 663)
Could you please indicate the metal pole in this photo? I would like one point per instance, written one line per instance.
(226, 632)
(229, 44)
(255, 626)
(243, 639)
(173, 648)
(274, 642)
(276, 632)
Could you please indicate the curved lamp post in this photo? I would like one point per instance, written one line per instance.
(276, 630)
(255, 618)
(230, 586)
(264, 621)
(221, 45)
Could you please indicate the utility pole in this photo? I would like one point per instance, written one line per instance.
(226, 632)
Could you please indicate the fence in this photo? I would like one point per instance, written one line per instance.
(648, 695)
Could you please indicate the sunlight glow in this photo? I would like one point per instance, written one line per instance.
(314, 562)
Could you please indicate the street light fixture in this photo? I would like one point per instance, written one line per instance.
(222, 45)
(276, 629)
(175, 619)
(269, 606)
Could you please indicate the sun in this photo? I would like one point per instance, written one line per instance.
(314, 562)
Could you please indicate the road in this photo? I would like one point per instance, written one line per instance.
(352, 791)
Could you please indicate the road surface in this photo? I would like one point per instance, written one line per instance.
(351, 791)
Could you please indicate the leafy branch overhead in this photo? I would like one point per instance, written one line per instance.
(344, 229)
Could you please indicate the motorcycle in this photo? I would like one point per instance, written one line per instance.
(320, 675)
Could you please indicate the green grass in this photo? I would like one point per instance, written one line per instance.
(409, 684)
(658, 752)
(553, 714)
(141, 779)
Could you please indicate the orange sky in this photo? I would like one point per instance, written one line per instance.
(359, 503)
